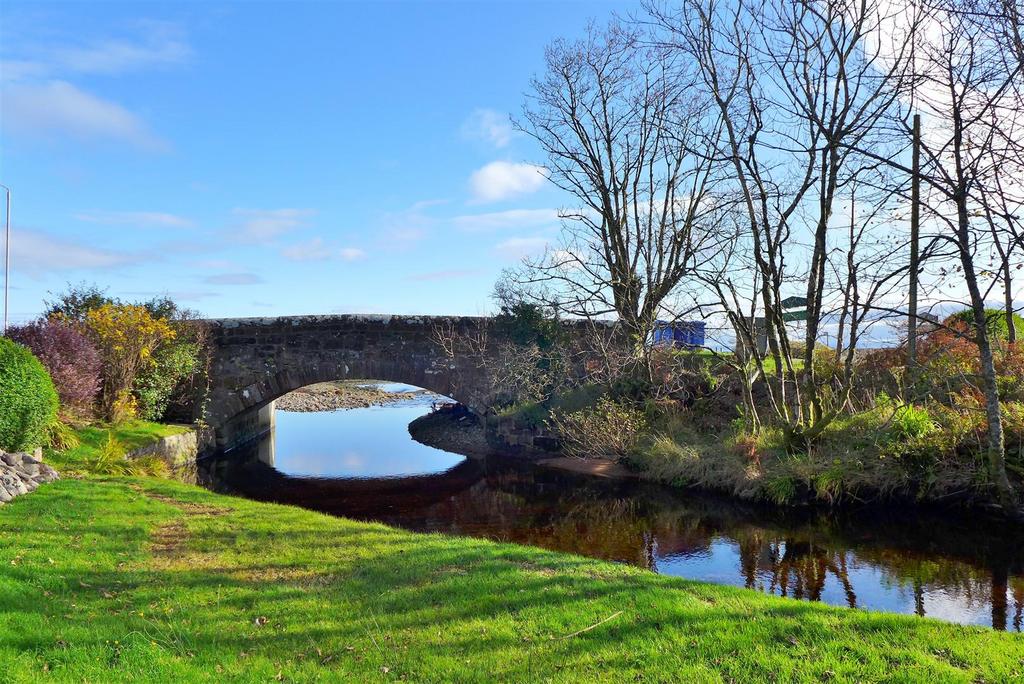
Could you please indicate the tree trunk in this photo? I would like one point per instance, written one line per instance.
(1011, 328)
(915, 232)
(996, 441)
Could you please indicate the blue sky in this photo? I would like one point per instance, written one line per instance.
(273, 158)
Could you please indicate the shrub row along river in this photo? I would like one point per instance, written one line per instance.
(362, 463)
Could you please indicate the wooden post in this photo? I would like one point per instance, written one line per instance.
(915, 228)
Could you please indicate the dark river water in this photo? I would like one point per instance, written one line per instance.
(362, 463)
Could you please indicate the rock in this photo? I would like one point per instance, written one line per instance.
(12, 481)
(21, 474)
(28, 469)
(332, 396)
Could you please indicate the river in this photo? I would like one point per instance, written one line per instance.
(362, 463)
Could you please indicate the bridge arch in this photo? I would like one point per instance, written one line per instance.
(257, 360)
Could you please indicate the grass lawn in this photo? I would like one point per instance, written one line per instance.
(131, 435)
(150, 580)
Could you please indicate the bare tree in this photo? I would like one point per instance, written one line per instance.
(799, 87)
(968, 92)
(1004, 21)
(617, 124)
(1002, 212)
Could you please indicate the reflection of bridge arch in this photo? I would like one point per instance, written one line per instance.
(252, 476)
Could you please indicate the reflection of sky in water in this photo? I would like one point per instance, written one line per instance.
(369, 442)
(950, 605)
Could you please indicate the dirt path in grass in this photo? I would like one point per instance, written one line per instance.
(168, 540)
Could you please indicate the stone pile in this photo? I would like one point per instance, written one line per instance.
(21, 473)
(332, 396)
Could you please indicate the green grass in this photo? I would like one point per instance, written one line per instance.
(131, 435)
(149, 580)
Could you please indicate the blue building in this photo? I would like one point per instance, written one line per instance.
(682, 334)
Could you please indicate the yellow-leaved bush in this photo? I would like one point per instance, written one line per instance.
(125, 336)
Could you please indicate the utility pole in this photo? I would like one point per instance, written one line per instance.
(7, 257)
(915, 229)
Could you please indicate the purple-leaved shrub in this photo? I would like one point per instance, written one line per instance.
(70, 358)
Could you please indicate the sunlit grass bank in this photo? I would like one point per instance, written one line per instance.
(100, 447)
(148, 580)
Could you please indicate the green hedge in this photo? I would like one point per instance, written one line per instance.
(28, 400)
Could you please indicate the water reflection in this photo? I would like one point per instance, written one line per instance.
(371, 442)
(908, 562)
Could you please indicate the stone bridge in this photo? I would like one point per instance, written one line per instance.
(257, 360)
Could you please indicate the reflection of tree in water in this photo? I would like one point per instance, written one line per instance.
(794, 568)
(799, 568)
(1018, 600)
(504, 507)
(989, 585)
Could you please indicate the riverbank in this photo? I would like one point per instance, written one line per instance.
(134, 578)
(452, 428)
(888, 455)
(341, 394)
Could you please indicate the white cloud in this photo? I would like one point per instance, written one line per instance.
(489, 126)
(310, 250)
(177, 295)
(263, 225)
(59, 108)
(566, 260)
(316, 249)
(152, 44)
(37, 252)
(401, 230)
(234, 279)
(160, 44)
(142, 219)
(37, 100)
(517, 248)
(513, 218)
(445, 275)
(19, 69)
(404, 237)
(501, 180)
(216, 264)
(427, 204)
